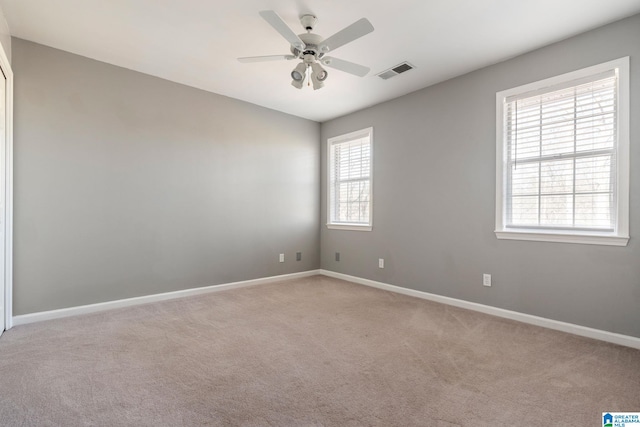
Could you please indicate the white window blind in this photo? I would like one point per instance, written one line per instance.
(562, 156)
(350, 179)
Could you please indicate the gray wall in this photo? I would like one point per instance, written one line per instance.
(434, 198)
(129, 185)
(5, 35)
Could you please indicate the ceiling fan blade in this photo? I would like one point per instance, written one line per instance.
(346, 66)
(266, 58)
(352, 32)
(280, 26)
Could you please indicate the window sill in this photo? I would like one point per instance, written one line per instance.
(350, 227)
(560, 237)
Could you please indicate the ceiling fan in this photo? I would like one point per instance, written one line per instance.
(312, 48)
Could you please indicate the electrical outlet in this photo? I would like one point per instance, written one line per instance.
(486, 279)
(380, 262)
(281, 257)
(338, 256)
(298, 256)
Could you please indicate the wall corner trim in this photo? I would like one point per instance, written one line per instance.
(583, 331)
(25, 319)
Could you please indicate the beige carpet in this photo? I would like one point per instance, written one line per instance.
(309, 352)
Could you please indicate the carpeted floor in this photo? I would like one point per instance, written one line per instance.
(309, 352)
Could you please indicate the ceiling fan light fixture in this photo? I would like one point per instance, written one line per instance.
(317, 78)
(319, 72)
(297, 84)
(299, 72)
(321, 75)
(318, 75)
(317, 84)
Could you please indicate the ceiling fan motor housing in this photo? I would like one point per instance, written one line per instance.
(311, 42)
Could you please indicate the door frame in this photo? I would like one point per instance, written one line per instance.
(7, 279)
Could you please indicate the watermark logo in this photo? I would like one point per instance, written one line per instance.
(621, 419)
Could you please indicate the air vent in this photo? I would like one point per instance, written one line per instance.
(387, 74)
(398, 69)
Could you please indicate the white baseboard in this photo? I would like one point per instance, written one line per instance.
(571, 328)
(93, 308)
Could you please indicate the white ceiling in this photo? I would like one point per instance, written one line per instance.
(196, 42)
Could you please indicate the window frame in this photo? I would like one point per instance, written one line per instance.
(620, 235)
(366, 132)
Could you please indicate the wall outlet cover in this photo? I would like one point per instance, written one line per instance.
(486, 279)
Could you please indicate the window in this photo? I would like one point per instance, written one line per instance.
(349, 163)
(563, 158)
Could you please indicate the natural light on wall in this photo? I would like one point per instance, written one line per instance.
(350, 172)
(563, 158)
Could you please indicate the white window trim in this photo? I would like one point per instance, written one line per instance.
(620, 236)
(338, 139)
(351, 227)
